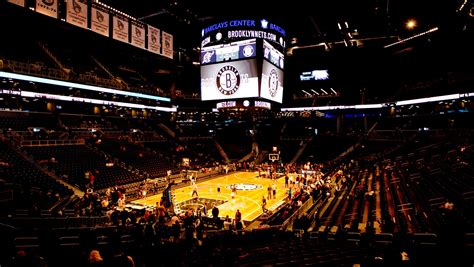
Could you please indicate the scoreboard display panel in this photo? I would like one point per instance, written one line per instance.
(227, 52)
(229, 80)
(271, 54)
(271, 86)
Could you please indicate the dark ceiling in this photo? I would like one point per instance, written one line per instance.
(309, 22)
(357, 54)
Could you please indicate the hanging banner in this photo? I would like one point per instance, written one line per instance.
(120, 28)
(154, 40)
(47, 7)
(138, 35)
(100, 21)
(167, 45)
(18, 2)
(77, 13)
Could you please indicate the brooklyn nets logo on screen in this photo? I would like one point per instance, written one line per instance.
(273, 82)
(228, 80)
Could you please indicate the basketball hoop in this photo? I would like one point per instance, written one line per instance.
(274, 157)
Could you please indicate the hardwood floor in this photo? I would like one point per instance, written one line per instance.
(247, 201)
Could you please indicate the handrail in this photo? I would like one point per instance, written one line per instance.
(36, 143)
(297, 213)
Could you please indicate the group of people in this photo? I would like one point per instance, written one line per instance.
(271, 191)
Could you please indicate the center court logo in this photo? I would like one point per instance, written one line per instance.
(273, 82)
(245, 187)
(228, 80)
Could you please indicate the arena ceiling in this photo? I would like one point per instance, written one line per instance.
(307, 22)
(358, 40)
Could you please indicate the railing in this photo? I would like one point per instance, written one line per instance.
(6, 195)
(35, 69)
(39, 69)
(296, 138)
(167, 130)
(262, 155)
(93, 79)
(297, 213)
(187, 138)
(34, 143)
(221, 151)
(103, 67)
(301, 150)
(52, 56)
(357, 144)
(54, 222)
(112, 134)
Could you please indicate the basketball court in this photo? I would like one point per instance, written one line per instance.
(248, 197)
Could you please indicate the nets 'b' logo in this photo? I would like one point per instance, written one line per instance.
(120, 25)
(99, 15)
(48, 2)
(273, 82)
(228, 80)
(77, 8)
(138, 32)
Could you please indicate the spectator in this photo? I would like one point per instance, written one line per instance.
(238, 220)
(215, 212)
(264, 204)
(95, 259)
(120, 259)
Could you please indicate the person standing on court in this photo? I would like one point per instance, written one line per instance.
(195, 190)
(238, 220)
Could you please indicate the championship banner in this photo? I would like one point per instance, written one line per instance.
(47, 7)
(18, 2)
(77, 13)
(138, 35)
(154, 40)
(100, 21)
(120, 28)
(167, 45)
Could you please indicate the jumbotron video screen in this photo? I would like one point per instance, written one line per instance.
(229, 80)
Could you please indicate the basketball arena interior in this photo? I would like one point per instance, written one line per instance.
(236, 133)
